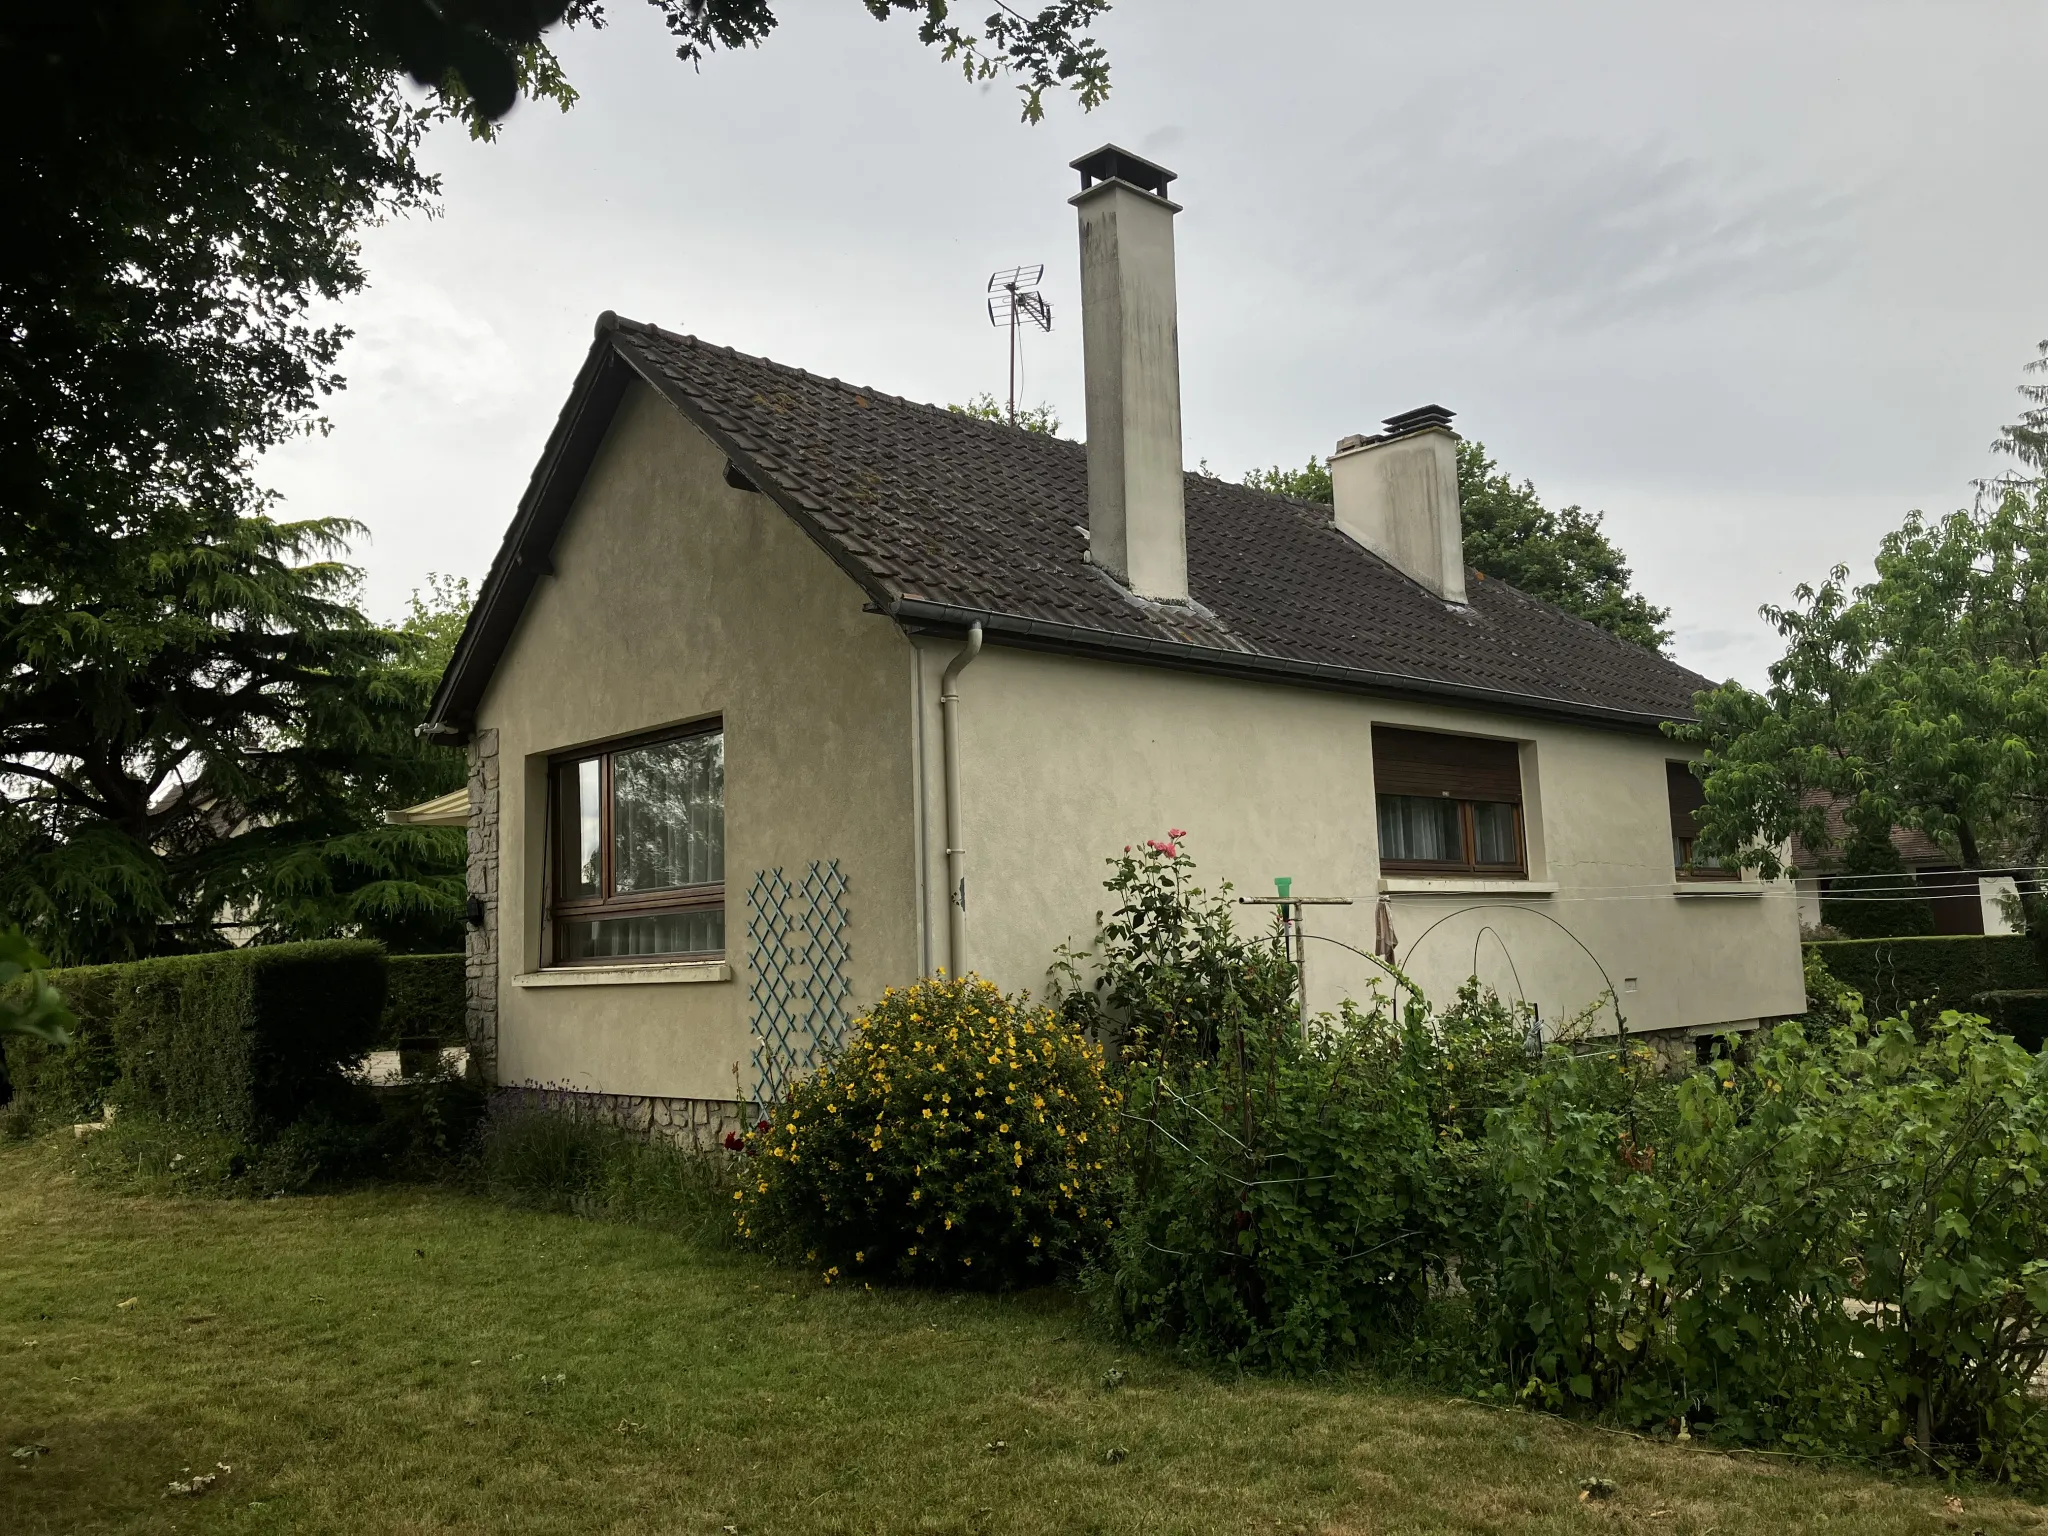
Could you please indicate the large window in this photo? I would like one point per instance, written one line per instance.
(1448, 804)
(1687, 797)
(639, 850)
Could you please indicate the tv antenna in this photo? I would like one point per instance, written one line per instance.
(1014, 299)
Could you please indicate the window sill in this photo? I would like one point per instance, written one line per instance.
(1746, 890)
(1463, 885)
(626, 975)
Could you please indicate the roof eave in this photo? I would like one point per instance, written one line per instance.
(522, 557)
(1026, 633)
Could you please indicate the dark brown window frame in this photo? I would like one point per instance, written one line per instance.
(562, 910)
(1683, 835)
(1417, 764)
(1468, 834)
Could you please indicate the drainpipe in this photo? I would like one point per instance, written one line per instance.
(956, 855)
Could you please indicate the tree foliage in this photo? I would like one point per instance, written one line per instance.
(1562, 557)
(200, 731)
(198, 727)
(1040, 418)
(1918, 699)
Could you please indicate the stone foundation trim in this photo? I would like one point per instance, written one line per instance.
(702, 1124)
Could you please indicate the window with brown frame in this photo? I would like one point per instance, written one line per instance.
(1688, 796)
(1448, 804)
(638, 831)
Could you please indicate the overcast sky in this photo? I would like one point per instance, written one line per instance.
(1752, 279)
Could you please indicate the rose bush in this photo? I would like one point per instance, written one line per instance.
(961, 1137)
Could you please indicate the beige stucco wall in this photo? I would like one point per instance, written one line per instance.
(1064, 761)
(675, 597)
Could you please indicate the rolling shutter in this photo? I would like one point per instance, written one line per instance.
(1688, 795)
(1458, 767)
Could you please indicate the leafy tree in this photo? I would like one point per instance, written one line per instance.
(1041, 418)
(1919, 699)
(1311, 482)
(192, 716)
(197, 725)
(1562, 557)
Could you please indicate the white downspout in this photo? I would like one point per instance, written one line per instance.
(956, 855)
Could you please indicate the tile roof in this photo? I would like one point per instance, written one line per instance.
(945, 519)
(1914, 847)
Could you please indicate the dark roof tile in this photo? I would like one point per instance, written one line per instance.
(944, 518)
(981, 516)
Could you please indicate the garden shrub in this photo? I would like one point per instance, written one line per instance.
(1170, 974)
(960, 1137)
(423, 1003)
(1835, 1243)
(1299, 1198)
(1286, 1197)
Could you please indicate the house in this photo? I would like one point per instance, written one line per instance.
(1959, 901)
(781, 690)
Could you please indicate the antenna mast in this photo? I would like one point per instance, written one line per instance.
(1013, 296)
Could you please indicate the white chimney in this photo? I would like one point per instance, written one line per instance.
(1397, 494)
(1130, 340)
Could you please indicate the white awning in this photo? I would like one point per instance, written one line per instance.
(449, 810)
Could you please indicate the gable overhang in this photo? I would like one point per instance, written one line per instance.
(526, 553)
(609, 368)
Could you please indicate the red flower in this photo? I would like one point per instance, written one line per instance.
(1175, 833)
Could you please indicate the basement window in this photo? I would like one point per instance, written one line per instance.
(1448, 804)
(638, 833)
(1688, 797)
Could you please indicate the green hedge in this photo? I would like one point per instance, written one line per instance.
(1957, 971)
(242, 1042)
(423, 1002)
(70, 1083)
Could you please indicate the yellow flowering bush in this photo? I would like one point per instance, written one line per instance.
(962, 1137)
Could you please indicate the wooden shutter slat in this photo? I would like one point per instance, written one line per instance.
(1688, 796)
(1457, 767)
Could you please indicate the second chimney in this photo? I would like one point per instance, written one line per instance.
(1130, 340)
(1397, 494)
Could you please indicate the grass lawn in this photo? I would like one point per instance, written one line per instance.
(408, 1360)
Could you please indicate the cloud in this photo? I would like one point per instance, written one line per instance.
(1578, 234)
(418, 346)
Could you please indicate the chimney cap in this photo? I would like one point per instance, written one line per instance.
(1419, 418)
(1110, 163)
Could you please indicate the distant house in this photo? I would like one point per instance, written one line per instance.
(781, 690)
(1962, 901)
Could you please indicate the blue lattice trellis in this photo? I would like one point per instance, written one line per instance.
(798, 961)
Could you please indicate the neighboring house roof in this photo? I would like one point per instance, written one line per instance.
(946, 520)
(1915, 848)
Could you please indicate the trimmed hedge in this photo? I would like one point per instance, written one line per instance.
(243, 1042)
(1966, 972)
(423, 1002)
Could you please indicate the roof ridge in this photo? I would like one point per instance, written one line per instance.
(620, 322)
